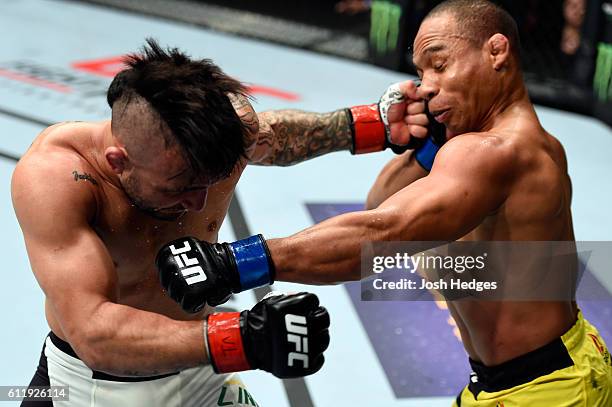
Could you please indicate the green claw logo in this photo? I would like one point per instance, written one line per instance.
(602, 83)
(384, 26)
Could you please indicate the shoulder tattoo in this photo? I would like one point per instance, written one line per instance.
(84, 176)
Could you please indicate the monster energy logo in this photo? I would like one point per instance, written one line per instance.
(602, 83)
(384, 26)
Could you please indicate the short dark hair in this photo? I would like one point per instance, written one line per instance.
(191, 97)
(481, 19)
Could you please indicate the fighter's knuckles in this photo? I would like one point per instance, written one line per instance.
(300, 303)
(319, 319)
(395, 112)
(408, 89)
(405, 135)
(317, 364)
(418, 131)
(400, 135)
(321, 342)
(415, 107)
(418, 119)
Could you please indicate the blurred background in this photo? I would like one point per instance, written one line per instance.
(567, 44)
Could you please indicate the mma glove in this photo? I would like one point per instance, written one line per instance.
(371, 130)
(282, 334)
(195, 273)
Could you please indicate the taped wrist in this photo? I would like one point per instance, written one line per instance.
(367, 129)
(426, 153)
(224, 343)
(253, 262)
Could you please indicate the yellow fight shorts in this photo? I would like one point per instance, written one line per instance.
(573, 370)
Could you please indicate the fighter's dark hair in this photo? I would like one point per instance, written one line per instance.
(481, 19)
(191, 97)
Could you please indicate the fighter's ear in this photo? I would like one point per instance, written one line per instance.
(498, 48)
(117, 158)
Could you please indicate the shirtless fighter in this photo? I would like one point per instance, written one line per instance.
(499, 176)
(96, 201)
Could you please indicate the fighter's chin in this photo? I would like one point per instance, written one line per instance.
(168, 215)
(450, 134)
(455, 129)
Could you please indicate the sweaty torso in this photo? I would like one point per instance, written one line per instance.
(132, 237)
(537, 209)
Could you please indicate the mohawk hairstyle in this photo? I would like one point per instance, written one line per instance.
(191, 97)
(481, 19)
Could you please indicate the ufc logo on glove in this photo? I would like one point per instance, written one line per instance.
(296, 325)
(190, 268)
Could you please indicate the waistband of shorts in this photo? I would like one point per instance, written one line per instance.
(525, 368)
(67, 349)
(575, 335)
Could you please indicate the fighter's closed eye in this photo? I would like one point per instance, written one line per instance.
(439, 67)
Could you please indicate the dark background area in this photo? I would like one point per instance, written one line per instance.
(313, 12)
(553, 78)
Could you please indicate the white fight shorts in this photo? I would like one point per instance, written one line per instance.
(200, 386)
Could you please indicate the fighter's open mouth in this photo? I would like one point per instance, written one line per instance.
(439, 112)
(440, 115)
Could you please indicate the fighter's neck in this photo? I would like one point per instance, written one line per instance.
(102, 140)
(511, 101)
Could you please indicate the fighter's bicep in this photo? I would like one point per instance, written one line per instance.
(69, 260)
(433, 211)
(78, 278)
(456, 196)
(75, 261)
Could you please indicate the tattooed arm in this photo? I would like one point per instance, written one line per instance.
(287, 137)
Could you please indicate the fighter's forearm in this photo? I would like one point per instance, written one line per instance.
(400, 172)
(125, 341)
(330, 252)
(291, 136)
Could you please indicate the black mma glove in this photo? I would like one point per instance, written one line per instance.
(195, 272)
(282, 334)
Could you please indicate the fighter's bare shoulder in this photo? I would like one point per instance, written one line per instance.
(53, 175)
(485, 151)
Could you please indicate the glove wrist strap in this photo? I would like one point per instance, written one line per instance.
(225, 347)
(426, 153)
(253, 262)
(368, 129)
